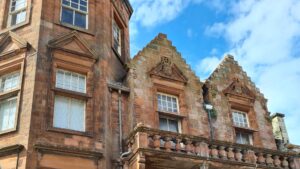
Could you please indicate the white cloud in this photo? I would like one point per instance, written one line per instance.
(151, 13)
(207, 65)
(264, 37)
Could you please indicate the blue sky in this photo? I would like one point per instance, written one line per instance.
(263, 35)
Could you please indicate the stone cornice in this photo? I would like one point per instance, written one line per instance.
(69, 151)
(14, 149)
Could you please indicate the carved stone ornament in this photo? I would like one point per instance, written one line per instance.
(239, 89)
(166, 69)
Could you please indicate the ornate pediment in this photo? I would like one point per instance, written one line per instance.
(167, 70)
(236, 88)
(72, 43)
(10, 42)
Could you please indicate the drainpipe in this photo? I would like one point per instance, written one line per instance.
(17, 162)
(208, 108)
(120, 121)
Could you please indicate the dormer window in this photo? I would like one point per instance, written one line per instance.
(75, 12)
(17, 12)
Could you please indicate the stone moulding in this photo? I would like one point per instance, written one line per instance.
(69, 151)
(14, 149)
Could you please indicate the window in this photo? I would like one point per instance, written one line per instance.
(9, 82)
(75, 12)
(70, 81)
(117, 37)
(167, 103)
(17, 12)
(69, 113)
(240, 119)
(168, 124)
(8, 111)
(243, 138)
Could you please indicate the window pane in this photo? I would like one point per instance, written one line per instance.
(240, 119)
(80, 20)
(10, 81)
(77, 118)
(163, 125)
(66, 2)
(167, 103)
(17, 5)
(173, 125)
(60, 117)
(8, 114)
(69, 113)
(70, 81)
(67, 15)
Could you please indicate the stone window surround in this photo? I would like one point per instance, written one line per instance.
(91, 30)
(239, 104)
(4, 15)
(8, 65)
(180, 116)
(64, 63)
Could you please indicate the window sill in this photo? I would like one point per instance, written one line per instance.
(14, 27)
(169, 114)
(71, 132)
(86, 31)
(9, 93)
(8, 131)
(73, 94)
(245, 129)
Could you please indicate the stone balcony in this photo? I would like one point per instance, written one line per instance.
(175, 149)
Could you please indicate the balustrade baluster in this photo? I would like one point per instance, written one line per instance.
(269, 160)
(178, 145)
(188, 146)
(156, 141)
(168, 144)
(277, 162)
(214, 151)
(197, 148)
(261, 159)
(246, 156)
(222, 153)
(285, 163)
(238, 154)
(230, 154)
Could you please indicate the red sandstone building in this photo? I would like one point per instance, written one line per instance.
(71, 98)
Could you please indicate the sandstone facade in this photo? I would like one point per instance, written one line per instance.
(132, 107)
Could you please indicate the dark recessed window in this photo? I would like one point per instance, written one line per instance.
(75, 12)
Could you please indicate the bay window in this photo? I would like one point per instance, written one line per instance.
(75, 12)
(69, 112)
(17, 12)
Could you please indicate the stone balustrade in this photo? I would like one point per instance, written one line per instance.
(163, 141)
